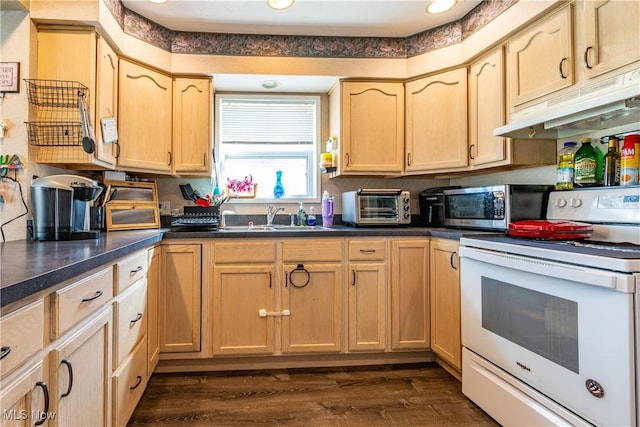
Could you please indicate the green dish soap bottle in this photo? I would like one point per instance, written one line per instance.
(585, 165)
(301, 216)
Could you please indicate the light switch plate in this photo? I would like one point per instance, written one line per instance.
(165, 208)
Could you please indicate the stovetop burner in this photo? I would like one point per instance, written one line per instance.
(608, 246)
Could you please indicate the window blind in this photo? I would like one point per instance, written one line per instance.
(255, 121)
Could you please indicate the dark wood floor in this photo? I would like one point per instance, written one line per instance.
(416, 395)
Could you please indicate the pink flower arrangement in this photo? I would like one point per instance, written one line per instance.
(241, 185)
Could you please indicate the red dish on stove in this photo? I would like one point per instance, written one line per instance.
(550, 229)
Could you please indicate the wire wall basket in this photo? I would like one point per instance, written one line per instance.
(55, 93)
(57, 112)
(44, 134)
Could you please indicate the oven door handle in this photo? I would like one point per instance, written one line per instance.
(584, 275)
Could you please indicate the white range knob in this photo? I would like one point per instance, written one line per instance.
(561, 202)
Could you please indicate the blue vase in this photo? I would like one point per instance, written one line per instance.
(278, 190)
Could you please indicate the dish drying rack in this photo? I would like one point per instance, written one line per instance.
(197, 218)
(58, 120)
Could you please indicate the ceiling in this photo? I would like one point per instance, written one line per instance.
(348, 18)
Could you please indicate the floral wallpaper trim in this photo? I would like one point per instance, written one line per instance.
(306, 46)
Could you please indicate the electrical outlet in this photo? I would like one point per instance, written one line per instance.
(165, 208)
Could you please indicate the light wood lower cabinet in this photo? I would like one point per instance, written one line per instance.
(24, 400)
(153, 318)
(81, 375)
(445, 302)
(240, 292)
(410, 294)
(180, 298)
(368, 294)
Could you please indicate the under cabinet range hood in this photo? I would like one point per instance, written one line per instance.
(607, 104)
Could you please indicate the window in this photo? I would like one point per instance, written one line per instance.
(258, 135)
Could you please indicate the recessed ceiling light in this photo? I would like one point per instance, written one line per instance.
(280, 4)
(270, 84)
(158, 1)
(439, 6)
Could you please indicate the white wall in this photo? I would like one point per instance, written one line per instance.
(17, 36)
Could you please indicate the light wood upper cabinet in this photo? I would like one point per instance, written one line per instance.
(611, 34)
(144, 119)
(180, 298)
(410, 318)
(192, 119)
(540, 59)
(80, 55)
(368, 118)
(436, 125)
(445, 301)
(106, 96)
(487, 108)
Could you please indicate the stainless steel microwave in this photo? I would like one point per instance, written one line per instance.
(376, 207)
(494, 207)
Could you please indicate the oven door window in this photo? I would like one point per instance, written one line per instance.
(544, 324)
(374, 207)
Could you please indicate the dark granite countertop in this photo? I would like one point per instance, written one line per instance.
(28, 268)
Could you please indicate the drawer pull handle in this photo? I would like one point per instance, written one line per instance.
(133, 322)
(70, 369)
(4, 352)
(45, 390)
(45, 411)
(367, 251)
(138, 381)
(299, 268)
(136, 270)
(97, 295)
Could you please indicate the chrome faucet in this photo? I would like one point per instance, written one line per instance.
(271, 214)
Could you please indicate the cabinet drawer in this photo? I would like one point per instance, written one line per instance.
(363, 250)
(130, 269)
(129, 382)
(130, 320)
(323, 250)
(243, 252)
(21, 335)
(75, 302)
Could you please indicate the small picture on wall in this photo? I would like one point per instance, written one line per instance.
(9, 76)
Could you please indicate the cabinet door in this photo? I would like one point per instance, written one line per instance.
(23, 400)
(372, 127)
(240, 292)
(368, 298)
(436, 127)
(410, 294)
(180, 297)
(313, 295)
(541, 58)
(153, 318)
(144, 119)
(192, 143)
(486, 109)
(445, 302)
(81, 367)
(612, 31)
(106, 97)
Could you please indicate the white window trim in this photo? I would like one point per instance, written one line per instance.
(314, 163)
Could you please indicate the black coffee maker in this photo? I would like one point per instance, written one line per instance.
(62, 208)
